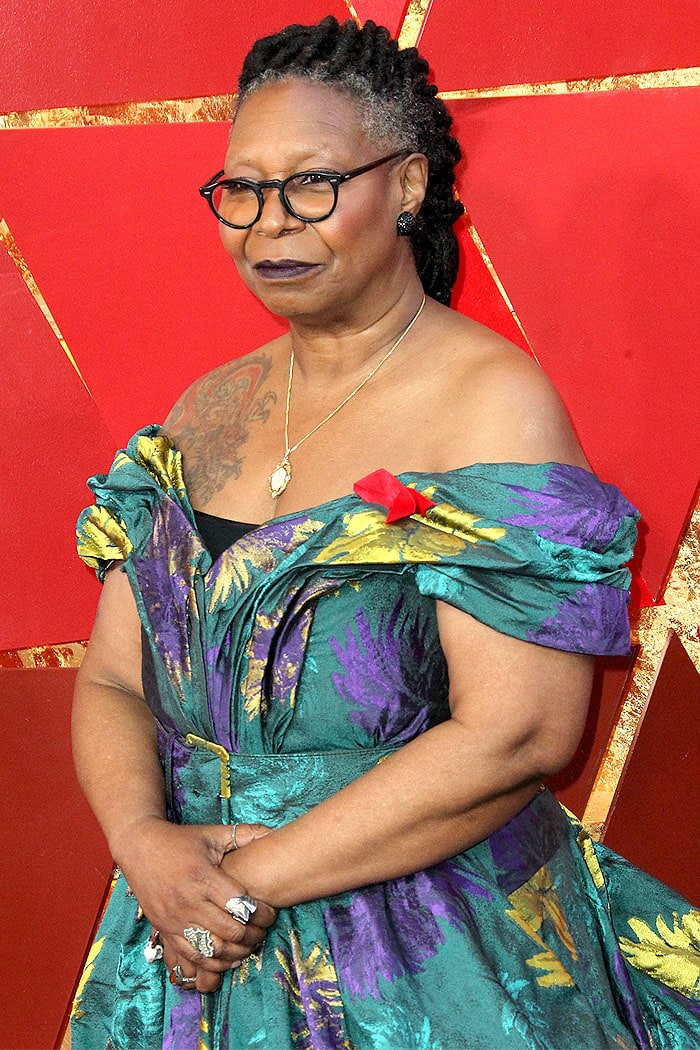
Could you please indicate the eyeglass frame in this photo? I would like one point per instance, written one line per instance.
(334, 178)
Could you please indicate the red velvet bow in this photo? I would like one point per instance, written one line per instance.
(400, 500)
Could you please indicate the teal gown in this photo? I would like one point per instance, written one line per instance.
(292, 665)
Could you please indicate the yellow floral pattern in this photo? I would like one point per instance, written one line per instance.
(535, 903)
(252, 554)
(320, 1003)
(670, 955)
(442, 533)
(76, 1011)
(163, 462)
(102, 538)
(585, 844)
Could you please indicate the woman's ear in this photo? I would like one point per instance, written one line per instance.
(414, 182)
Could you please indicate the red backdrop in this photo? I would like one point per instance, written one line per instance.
(585, 204)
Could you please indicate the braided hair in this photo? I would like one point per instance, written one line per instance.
(398, 109)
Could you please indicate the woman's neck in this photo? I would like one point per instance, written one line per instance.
(351, 346)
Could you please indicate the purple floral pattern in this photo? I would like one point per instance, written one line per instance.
(311, 983)
(219, 676)
(527, 842)
(183, 1029)
(165, 578)
(276, 648)
(390, 929)
(629, 1002)
(390, 673)
(575, 507)
(592, 620)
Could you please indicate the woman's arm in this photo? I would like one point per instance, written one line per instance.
(517, 713)
(172, 869)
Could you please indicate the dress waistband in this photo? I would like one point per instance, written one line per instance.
(207, 784)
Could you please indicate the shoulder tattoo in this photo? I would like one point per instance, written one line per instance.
(211, 422)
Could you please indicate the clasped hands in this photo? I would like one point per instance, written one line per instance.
(175, 872)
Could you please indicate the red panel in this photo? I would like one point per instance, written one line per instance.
(655, 821)
(130, 260)
(588, 207)
(573, 785)
(389, 13)
(517, 42)
(78, 52)
(53, 437)
(55, 862)
(476, 293)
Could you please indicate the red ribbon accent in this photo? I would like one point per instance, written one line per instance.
(400, 500)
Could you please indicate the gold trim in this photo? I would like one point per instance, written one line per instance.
(413, 22)
(167, 111)
(221, 753)
(474, 234)
(663, 78)
(353, 14)
(70, 654)
(211, 108)
(651, 630)
(25, 273)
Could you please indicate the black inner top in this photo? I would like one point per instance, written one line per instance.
(219, 533)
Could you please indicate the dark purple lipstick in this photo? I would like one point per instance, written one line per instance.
(283, 269)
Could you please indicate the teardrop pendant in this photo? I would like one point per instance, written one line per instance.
(280, 478)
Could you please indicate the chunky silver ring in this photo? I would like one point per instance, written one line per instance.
(241, 908)
(234, 828)
(200, 940)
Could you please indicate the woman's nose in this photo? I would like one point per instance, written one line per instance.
(275, 217)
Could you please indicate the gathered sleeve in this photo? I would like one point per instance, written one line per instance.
(538, 552)
(146, 472)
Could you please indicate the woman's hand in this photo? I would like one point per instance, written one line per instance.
(202, 973)
(174, 872)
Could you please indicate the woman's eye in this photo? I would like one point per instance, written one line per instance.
(235, 189)
(312, 178)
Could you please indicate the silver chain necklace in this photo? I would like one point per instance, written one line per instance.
(282, 474)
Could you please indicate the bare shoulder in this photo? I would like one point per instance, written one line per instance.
(503, 406)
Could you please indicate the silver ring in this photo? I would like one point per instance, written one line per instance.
(233, 836)
(200, 940)
(241, 908)
(180, 978)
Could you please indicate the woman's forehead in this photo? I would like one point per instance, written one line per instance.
(297, 115)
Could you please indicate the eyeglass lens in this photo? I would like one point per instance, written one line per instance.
(309, 196)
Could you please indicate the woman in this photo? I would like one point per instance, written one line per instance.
(383, 671)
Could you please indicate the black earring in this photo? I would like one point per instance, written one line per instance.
(406, 224)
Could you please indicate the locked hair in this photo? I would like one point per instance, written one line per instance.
(398, 109)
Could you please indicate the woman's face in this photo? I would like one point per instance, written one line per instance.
(322, 268)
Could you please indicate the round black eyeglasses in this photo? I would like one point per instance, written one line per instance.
(310, 196)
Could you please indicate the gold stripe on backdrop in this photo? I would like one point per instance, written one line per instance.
(412, 25)
(25, 273)
(651, 630)
(166, 111)
(353, 14)
(663, 78)
(474, 234)
(69, 654)
(210, 108)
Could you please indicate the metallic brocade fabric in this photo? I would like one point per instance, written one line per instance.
(304, 655)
